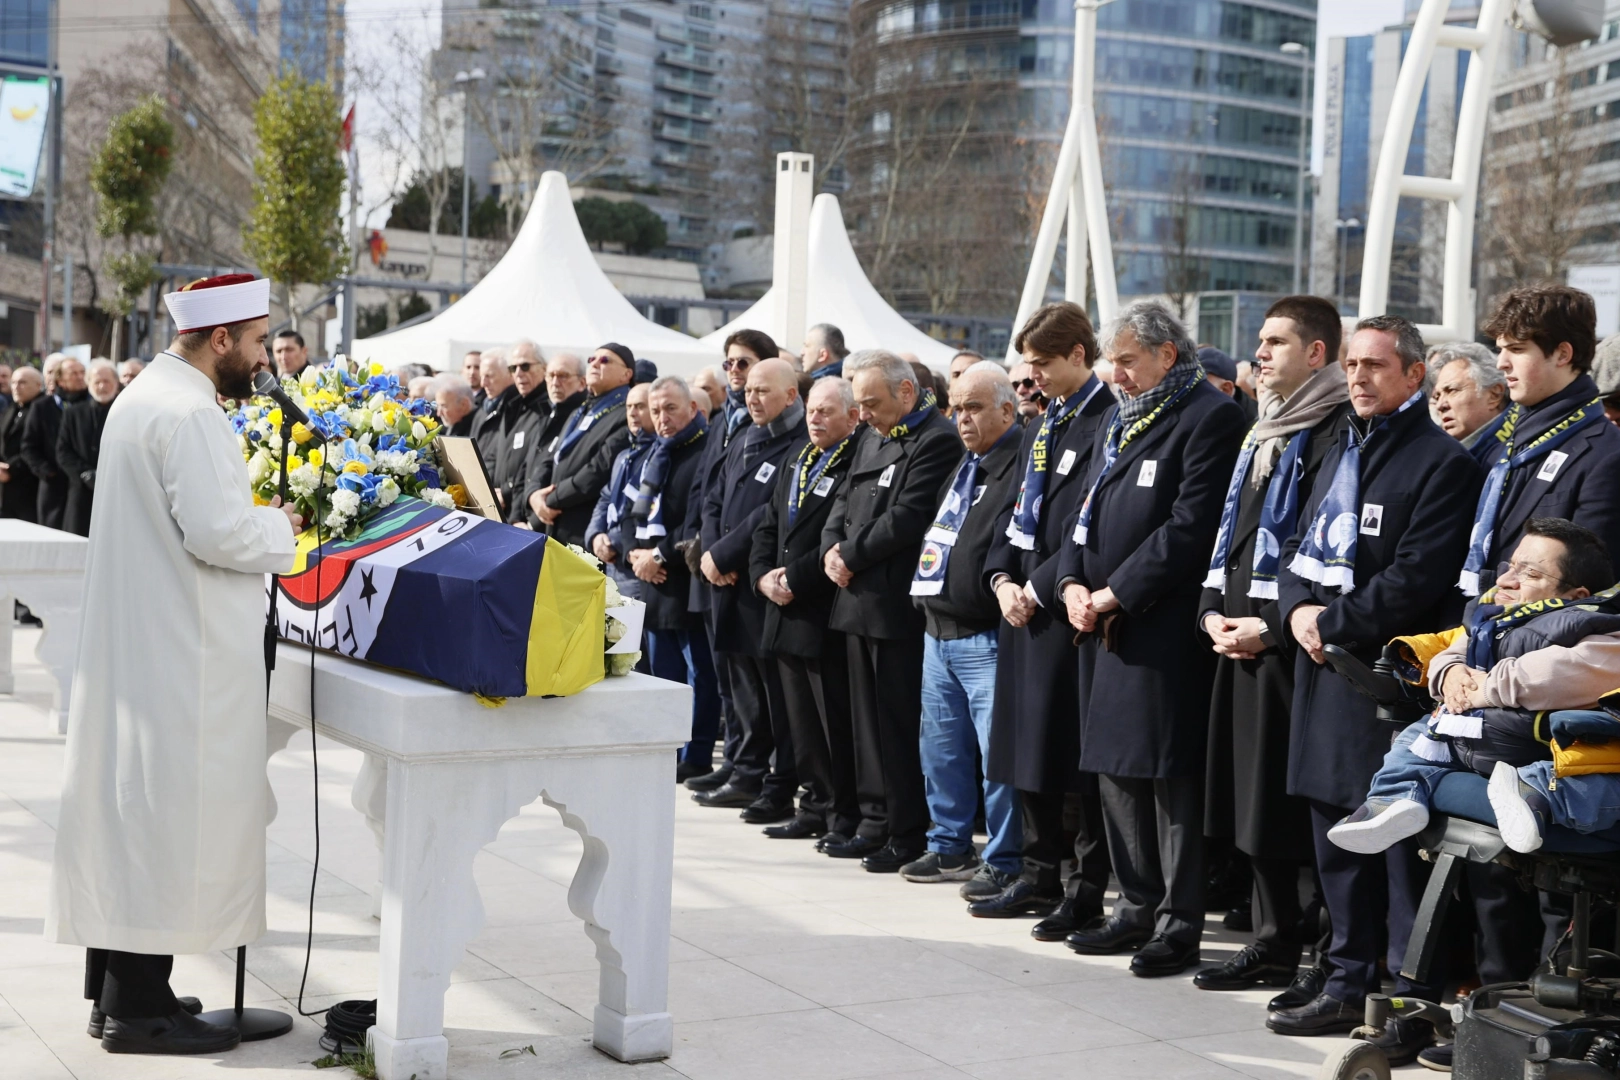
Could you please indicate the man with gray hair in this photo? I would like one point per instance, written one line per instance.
(129, 369)
(496, 414)
(824, 350)
(526, 416)
(19, 488)
(78, 444)
(456, 403)
(1130, 581)
(961, 615)
(870, 546)
(1470, 396)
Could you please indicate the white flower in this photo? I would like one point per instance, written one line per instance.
(275, 443)
(439, 497)
(260, 466)
(613, 596)
(379, 421)
(387, 492)
(336, 522)
(418, 431)
(303, 480)
(378, 400)
(346, 502)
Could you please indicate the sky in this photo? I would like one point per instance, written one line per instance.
(1344, 18)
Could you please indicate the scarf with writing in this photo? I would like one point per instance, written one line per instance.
(1132, 419)
(915, 418)
(1327, 552)
(627, 465)
(938, 542)
(1026, 516)
(1487, 442)
(649, 504)
(812, 465)
(1508, 458)
(589, 412)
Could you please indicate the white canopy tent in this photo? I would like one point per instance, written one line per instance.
(548, 288)
(839, 293)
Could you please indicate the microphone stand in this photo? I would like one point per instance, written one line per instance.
(257, 1024)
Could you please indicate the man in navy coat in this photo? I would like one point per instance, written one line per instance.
(1130, 580)
(1379, 546)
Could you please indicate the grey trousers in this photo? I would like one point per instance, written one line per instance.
(1155, 831)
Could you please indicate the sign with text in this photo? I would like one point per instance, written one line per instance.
(1603, 283)
(25, 106)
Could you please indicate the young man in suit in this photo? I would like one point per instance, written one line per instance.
(870, 546)
(1130, 581)
(785, 569)
(1035, 732)
(1379, 545)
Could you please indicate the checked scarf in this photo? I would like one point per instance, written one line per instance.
(1026, 516)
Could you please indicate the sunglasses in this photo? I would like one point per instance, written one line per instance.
(524, 366)
(604, 359)
(739, 364)
(1024, 384)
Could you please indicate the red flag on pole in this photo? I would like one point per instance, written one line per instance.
(348, 129)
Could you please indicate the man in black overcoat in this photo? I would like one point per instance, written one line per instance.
(732, 509)
(870, 546)
(492, 423)
(676, 646)
(1035, 733)
(78, 445)
(19, 488)
(811, 661)
(1130, 580)
(565, 392)
(1387, 541)
(1303, 402)
(567, 479)
(64, 386)
(527, 415)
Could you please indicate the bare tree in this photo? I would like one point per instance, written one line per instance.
(1177, 230)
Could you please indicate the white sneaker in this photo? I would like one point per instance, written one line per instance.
(1521, 811)
(1379, 824)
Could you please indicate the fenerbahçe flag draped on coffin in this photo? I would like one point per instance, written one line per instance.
(477, 605)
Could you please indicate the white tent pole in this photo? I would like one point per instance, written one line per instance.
(1456, 304)
(1091, 177)
(790, 246)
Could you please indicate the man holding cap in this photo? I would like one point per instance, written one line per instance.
(160, 845)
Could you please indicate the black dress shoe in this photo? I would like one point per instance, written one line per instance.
(834, 839)
(179, 1033)
(802, 827)
(1069, 916)
(1162, 956)
(1019, 898)
(1402, 1039)
(1112, 935)
(1306, 985)
(856, 847)
(727, 795)
(1322, 1015)
(763, 811)
(1250, 967)
(686, 771)
(889, 859)
(710, 780)
(98, 1019)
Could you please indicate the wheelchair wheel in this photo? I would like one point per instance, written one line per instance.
(1356, 1060)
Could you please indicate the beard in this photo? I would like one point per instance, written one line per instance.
(233, 373)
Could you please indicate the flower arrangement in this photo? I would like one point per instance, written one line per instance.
(617, 663)
(377, 444)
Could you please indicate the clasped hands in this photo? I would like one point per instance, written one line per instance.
(833, 564)
(1017, 601)
(1237, 638)
(1084, 607)
(646, 566)
(1463, 688)
(537, 503)
(711, 571)
(773, 586)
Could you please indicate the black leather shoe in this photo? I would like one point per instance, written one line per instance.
(1402, 1039)
(1437, 1058)
(686, 771)
(763, 811)
(889, 859)
(1250, 967)
(834, 839)
(98, 1019)
(1019, 898)
(1065, 920)
(1112, 935)
(802, 827)
(728, 795)
(179, 1033)
(1306, 985)
(856, 847)
(1162, 956)
(1322, 1015)
(710, 780)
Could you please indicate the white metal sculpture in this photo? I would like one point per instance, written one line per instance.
(1076, 194)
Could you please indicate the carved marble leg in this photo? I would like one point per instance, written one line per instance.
(277, 734)
(56, 600)
(624, 810)
(8, 684)
(370, 797)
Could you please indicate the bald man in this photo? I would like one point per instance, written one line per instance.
(763, 779)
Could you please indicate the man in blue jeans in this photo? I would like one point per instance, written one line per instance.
(959, 648)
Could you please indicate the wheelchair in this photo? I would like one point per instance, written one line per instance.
(1564, 1023)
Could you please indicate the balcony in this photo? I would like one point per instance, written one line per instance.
(688, 58)
(608, 64)
(684, 134)
(697, 110)
(684, 158)
(686, 83)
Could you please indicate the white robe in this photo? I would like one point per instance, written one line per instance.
(160, 843)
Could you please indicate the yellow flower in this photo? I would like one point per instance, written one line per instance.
(430, 423)
(260, 500)
(301, 434)
(376, 368)
(316, 458)
(293, 462)
(458, 493)
(356, 467)
(274, 417)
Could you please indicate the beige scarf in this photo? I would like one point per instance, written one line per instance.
(1281, 417)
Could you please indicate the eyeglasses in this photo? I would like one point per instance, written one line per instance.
(739, 364)
(1527, 574)
(604, 359)
(524, 366)
(1024, 384)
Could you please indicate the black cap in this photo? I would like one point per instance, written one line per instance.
(646, 371)
(1217, 363)
(621, 351)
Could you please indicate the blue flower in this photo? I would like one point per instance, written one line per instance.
(429, 476)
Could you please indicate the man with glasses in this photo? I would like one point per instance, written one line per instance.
(529, 412)
(1031, 403)
(571, 466)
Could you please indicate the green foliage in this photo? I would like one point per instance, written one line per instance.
(413, 209)
(129, 169)
(363, 1064)
(413, 305)
(294, 232)
(629, 223)
(132, 273)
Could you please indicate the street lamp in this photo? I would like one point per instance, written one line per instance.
(1294, 48)
(1344, 225)
(465, 80)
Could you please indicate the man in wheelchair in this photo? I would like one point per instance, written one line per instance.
(1545, 639)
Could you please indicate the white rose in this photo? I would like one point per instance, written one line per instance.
(439, 497)
(345, 501)
(387, 492)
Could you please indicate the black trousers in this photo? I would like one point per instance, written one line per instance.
(816, 693)
(730, 730)
(1046, 843)
(1276, 908)
(1156, 842)
(885, 695)
(1508, 927)
(129, 986)
(1362, 892)
(765, 758)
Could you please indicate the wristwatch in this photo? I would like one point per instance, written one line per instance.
(1267, 638)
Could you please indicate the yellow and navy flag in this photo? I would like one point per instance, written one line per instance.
(481, 607)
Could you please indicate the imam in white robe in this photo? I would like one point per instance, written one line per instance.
(160, 843)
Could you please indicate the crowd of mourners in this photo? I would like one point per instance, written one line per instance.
(1087, 607)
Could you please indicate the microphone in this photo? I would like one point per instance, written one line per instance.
(267, 385)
